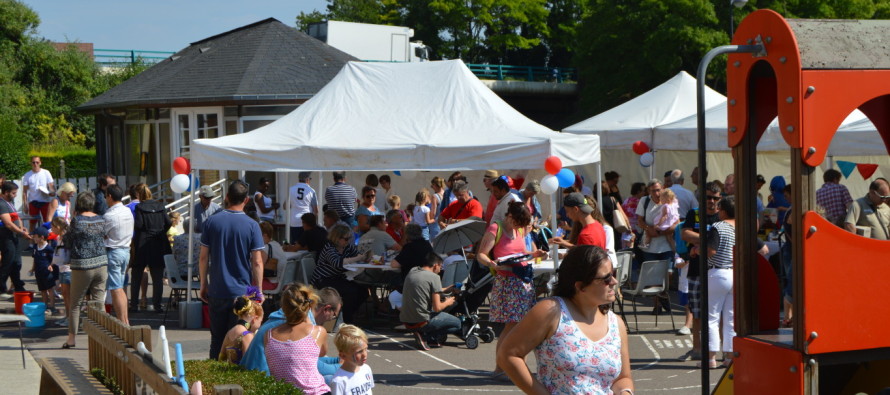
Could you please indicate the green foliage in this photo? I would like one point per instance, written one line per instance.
(107, 381)
(79, 162)
(13, 149)
(211, 373)
(477, 31)
(40, 86)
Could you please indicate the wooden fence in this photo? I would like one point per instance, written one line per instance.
(112, 348)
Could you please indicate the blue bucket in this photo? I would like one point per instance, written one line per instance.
(35, 312)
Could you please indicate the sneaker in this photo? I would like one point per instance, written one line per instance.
(157, 309)
(684, 331)
(149, 308)
(419, 342)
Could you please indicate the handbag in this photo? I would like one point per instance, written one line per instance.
(621, 223)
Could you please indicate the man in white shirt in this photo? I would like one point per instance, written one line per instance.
(685, 197)
(118, 234)
(302, 199)
(500, 190)
(38, 189)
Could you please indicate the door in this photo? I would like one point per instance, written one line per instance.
(197, 123)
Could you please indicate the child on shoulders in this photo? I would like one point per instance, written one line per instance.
(354, 376)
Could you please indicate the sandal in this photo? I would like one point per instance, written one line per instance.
(67, 346)
(712, 364)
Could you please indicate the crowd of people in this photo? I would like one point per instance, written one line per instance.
(87, 241)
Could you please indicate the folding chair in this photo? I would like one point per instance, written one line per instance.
(653, 282)
(178, 286)
(625, 260)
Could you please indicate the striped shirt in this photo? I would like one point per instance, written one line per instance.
(341, 198)
(330, 262)
(722, 239)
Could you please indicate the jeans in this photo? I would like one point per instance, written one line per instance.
(720, 300)
(117, 267)
(434, 230)
(441, 323)
(11, 264)
(221, 320)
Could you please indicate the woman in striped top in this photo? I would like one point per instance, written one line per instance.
(329, 271)
(721, 244)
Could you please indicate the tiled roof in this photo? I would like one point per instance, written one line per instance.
(266, 60)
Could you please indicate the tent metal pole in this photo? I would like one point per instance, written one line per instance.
(287, 210)
(702, 170)
(188, 292)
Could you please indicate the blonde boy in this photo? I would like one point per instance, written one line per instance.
(354, 376)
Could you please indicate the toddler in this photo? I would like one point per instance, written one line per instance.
(422, 214)
(355, 376)
(250, 317)
(42, 268)
(60, 261)
(175, 229)
(668, 216)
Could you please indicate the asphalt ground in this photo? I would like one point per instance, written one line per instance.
(398, 367)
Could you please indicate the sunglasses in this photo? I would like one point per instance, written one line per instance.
(607, 279)
(714, 198)
(36, 162)
(370, 196)
(882, 197)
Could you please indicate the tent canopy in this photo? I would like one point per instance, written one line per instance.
(638, 118)
(398, 116)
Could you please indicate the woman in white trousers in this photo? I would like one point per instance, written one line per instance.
(721, 244)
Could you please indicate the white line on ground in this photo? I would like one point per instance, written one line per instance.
(679, 343)
(657, 343)
(425, 353)
(655, 353)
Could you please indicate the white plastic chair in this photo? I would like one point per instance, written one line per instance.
(285, 277)
(653, 282)
(178, 286)
(307, 268)
(625, 261)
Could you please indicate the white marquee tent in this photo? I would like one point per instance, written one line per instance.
(398, 116)
(637, 119)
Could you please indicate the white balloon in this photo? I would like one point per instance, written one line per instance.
(647, 159)
(549, 184)
(179, 183)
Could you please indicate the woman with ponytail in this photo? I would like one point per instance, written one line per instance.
(250, 317)
(293, 348)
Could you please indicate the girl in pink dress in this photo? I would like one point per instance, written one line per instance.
(293, 348)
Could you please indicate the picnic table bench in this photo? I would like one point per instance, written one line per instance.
(66, 376)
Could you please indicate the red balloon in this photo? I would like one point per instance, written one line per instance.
(640, 148)
(182, 165)
(553, 165)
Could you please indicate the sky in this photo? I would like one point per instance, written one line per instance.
(156, 25)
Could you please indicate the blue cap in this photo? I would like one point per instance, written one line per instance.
(40, 231)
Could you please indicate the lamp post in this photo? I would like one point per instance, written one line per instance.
(735, 4)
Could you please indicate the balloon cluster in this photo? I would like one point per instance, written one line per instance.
(642, 149)
(558, 177)
(182, 181)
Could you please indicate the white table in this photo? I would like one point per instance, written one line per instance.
(17, 318)
(295, 255)
(356, 268)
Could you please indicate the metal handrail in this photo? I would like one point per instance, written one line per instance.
(122, 56)
(182, 205)
(159, 189)
(524, 73)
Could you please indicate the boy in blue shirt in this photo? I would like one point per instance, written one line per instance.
(42, 268)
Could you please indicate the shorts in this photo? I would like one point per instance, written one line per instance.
(45, 279)
(118, 258)
(683, 297)
(694, 297)
(42, 208)
(65, 278)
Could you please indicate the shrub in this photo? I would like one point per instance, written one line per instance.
(211, 373)
(107, 381)
(13, 149)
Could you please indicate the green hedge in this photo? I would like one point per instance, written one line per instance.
(210, 373)
(78, 162)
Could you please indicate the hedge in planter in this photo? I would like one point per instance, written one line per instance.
(211, 373)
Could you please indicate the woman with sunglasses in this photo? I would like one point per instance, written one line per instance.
(340, 250)
(721, 243)
(580, 345)
(366, 209)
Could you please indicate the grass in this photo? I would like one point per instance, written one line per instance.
(211, 373)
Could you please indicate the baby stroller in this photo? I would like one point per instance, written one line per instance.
(468, 294)
(478, 282)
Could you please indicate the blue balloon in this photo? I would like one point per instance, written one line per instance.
(566, 178)
(398, 173)
(194, 181)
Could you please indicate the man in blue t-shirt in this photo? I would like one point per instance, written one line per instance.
(233, 241)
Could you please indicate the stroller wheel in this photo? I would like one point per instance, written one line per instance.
(487, 335)
(472, 342)
(442, 338)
